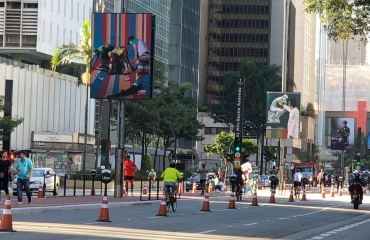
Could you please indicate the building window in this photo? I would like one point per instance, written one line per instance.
(215, 130)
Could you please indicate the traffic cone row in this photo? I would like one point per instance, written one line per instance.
(232, 201)
(104, 211)
(272, 197)
(340, 191)
(6, 224)
(145, 190)
(40, 194)
(194, 187)
(332, 191)
(206, 207)
(291, 199)
(323, 192)
(254, 200)
(162, 206)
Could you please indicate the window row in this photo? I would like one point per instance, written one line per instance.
(242, 23)
(250, 38)
(250, 9)
(241, 52)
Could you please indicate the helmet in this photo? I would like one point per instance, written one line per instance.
(172, 164)
(344, 122)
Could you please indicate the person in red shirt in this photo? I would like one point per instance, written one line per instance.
(130, 168)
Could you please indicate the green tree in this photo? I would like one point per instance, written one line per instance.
(309, 111)
(148, 162)
(224, 145)
(66, 54)
(343, 19)
(7, 123)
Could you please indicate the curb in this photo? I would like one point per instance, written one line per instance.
(78, 207)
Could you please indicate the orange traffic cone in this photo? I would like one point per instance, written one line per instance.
(260, 187)
(145, 191)
(162, 206)
(40, 194)
(291, 199)
(7, 220)
(272, 197)
(92, 192)
(232, 202)
(210, 188)
(304, 196)
(104, 212)
(181, 189)
(340, 191)
(332, 191)
(194, 187)
(254, 200)
(225, 188)
(206, 204)
(124, 190)
(323, 192)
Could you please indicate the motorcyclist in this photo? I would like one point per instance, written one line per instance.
(355, 185)
(236, 179)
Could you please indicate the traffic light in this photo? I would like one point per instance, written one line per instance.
(358, 160)
(238, 146)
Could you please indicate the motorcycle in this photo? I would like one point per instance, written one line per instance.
(355, 194)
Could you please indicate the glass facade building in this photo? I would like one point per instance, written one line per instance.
(103, 6)
(237, 29)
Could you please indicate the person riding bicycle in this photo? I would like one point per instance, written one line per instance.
(298, 179)
(357, 184)
(170, 177)
(236, 179)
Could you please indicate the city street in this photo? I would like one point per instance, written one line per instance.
(329, 218)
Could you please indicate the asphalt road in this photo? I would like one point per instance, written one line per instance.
(314, 219)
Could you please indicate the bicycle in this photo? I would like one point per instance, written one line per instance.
(171, 201)
(297, 191)
(238, 192)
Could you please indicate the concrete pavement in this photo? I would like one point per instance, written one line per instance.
(314, 219)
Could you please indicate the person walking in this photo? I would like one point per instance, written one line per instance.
(5, 172)
(24, 168)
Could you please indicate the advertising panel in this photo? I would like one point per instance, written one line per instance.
(283, 112)
(122, 62)
(342, 133)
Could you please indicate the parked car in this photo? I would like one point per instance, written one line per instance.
(195, 178)
(37, 178)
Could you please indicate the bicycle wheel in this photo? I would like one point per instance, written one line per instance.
(168, 202)
(174, 204)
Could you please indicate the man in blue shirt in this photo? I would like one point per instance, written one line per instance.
(24, 168)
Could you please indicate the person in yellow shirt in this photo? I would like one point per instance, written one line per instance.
(170, 177)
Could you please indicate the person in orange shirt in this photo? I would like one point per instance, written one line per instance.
(130, 168)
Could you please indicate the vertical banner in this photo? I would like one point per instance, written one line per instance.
(239, 123)
(121, 65)
(283, 112)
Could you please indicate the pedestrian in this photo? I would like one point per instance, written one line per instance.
(24, 168)
(5, 172)
(151, 177)
(130, 168)
(202, 176)
(246, 168)
(273, 178)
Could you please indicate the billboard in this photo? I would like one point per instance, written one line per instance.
(368, 140)
(282, 111)
(122, 61)
(342, 133)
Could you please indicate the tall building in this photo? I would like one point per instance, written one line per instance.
(183, 65)
(108, 6)
(301, 51)
(29, 31)
(161, 9)
(356, 52)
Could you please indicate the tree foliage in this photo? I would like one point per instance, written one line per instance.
(7, 123)
(343, 19)
(309, 111)
(259, 79)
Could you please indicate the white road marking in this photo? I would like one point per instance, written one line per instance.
(155, 217)
(282, 218)
(250, 224)
(209, 231)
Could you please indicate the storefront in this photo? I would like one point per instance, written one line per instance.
(61, 152)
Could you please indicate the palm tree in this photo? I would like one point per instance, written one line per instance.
(70, 52)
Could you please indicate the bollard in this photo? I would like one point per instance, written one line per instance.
(83, 184)
(65, 184)
(74, 185)
(157, 188)
(44, 186)
(55, 185)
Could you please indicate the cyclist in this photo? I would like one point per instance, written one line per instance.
(297, 179)
(170, 177)
(238, 176)
(273, 178)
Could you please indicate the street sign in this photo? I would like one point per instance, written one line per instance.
(236, 163)
(237, 154)
(106, 176)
